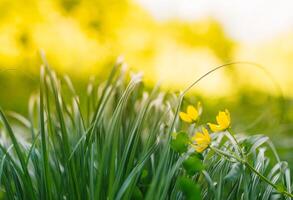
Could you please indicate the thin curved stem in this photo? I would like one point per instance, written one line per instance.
(267, 180)
(222, 153)
(248, 165)
(232, 134)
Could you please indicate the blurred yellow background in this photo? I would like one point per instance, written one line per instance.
(173, 42)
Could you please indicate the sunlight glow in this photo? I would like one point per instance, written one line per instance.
(247, 21)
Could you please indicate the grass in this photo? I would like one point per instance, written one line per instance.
(117, 144)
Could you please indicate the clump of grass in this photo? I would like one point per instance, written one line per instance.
(118, 144)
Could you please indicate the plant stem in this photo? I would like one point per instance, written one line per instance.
(267, 180)
(222, 153)
(247, 164)
(232, 134)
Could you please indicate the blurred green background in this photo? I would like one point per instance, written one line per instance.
(83, 38)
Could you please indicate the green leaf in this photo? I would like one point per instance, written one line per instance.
(144, 174)
(190, 189)
(193, 164)
(281, 188)
(180, 142)
(137, 194)
(198, 155)
(234, 172)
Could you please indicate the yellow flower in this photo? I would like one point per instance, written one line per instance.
(201, 140)
(223, 120)
(192, 114)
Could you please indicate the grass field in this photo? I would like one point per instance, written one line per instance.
(127, 141)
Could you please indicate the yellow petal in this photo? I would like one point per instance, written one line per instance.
(202, 138)
(197, 148)
(205, 131)
(198, 135)
(215, 127)
(206, 135)
(223, 119)
(185, 117)
(200, 148)
(192, 112)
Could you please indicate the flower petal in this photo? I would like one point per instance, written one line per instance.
(223, 119)
(185, 117)
(200, 148)
(215, 127)
(201, 140)
(192, 112)
(206, 135)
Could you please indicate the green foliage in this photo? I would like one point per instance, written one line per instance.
(180, 142)
(115, 142)
(110, 147)
(234, 172)
(257, 176)
(193, 164)
(190, 189)
(137, 195)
